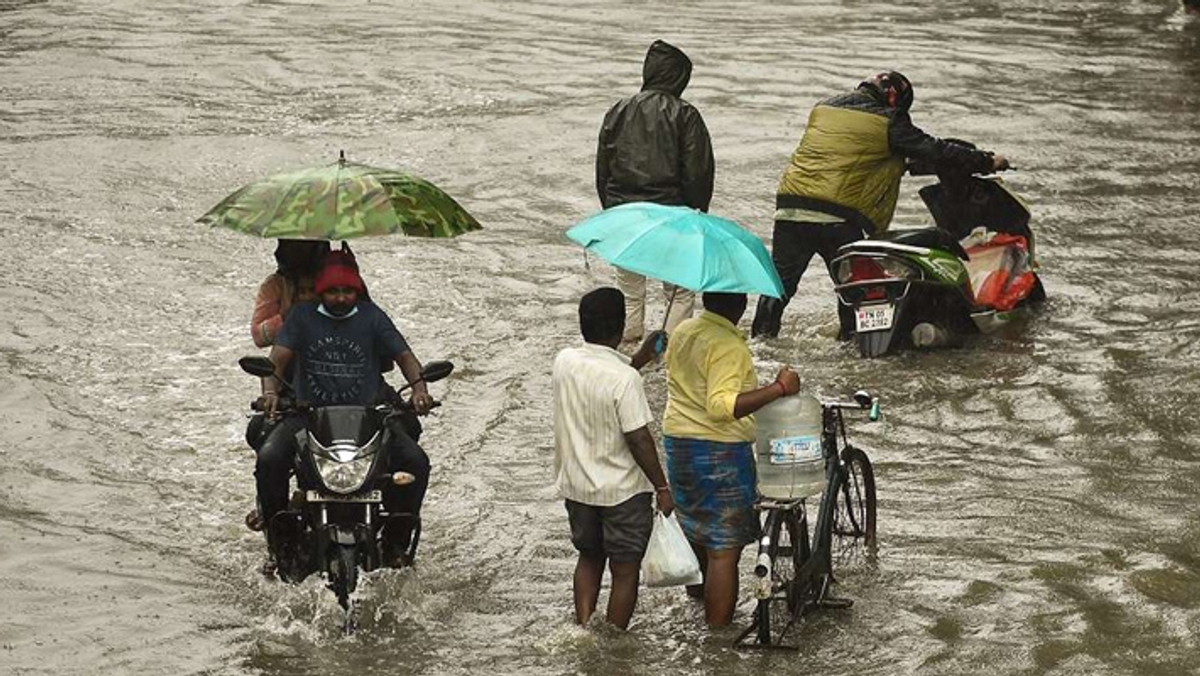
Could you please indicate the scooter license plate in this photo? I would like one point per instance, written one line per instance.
(370, 496)
(874, 317)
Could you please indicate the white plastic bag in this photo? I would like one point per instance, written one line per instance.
(669, 560)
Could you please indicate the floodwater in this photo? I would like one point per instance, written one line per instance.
(1038, 491)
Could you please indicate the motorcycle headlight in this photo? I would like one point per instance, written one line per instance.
(344, 468)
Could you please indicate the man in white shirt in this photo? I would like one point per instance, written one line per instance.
(605, 461)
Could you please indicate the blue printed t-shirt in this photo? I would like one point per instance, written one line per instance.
(339, 360)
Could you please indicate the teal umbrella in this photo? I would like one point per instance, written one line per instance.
(683, 246)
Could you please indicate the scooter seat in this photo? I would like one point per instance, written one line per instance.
(929, 238)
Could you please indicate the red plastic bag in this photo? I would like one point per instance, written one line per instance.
(1001, 276)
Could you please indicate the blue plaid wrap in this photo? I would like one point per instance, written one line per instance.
(713, 484)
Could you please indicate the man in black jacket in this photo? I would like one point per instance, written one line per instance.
(844, 178)
(654, 147)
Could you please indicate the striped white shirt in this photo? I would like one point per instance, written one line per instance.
(598, 397)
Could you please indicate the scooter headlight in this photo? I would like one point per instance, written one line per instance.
(344, 467)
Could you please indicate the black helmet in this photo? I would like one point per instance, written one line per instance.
(896, 90)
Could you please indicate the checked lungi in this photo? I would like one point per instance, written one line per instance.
(713, 484)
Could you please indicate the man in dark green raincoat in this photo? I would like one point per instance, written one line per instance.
(654, 147)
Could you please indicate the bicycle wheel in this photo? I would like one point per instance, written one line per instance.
(854, 517)
(788, 550)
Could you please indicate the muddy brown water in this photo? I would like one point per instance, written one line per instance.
(1037, 491)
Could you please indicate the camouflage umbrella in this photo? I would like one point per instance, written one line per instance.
(341, 201)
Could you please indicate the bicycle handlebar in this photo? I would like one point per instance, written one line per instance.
(862, 401)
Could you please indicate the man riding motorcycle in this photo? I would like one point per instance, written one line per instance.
(339, 346)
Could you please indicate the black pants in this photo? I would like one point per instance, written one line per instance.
(793, 244)
(276, 459)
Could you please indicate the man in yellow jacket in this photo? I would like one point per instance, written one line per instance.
(844, 178)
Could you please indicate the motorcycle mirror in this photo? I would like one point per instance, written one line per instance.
(257, 366)
(431, 372)
(863, 398)
(436, 370)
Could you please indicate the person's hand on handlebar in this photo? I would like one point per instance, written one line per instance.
(422, 402)
(1000, 163)
(270, 404)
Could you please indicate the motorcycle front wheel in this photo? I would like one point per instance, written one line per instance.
(343, 572)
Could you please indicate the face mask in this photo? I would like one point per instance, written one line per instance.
(338, 312)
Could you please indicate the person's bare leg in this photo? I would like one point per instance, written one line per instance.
(696, 591)
(721, 586)
(588, 572)
(622, 598)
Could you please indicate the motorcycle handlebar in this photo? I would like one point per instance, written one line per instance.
(289, 404)
(285, 404)
(404, 406)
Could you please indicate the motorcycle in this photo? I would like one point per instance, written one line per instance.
(972, 273)
(336, 522)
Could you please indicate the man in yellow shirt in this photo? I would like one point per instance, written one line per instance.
(708, 435)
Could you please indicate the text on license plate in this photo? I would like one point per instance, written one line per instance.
(369, 496)
(874, 317)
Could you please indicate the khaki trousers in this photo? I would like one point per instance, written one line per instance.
(633, 286)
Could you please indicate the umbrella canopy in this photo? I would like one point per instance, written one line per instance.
(683, 246)
(341, 201)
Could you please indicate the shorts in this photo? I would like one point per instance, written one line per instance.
(714, 486)
(619, 533)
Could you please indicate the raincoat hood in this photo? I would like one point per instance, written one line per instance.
(667, 69)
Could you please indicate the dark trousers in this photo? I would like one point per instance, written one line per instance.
(276, 457)
(792, 247)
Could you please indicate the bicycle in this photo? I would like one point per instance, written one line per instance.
(795, 571)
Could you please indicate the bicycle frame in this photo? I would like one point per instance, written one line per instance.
(812, 557)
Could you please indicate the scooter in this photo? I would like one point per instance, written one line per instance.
(336, 523)
(973, 273)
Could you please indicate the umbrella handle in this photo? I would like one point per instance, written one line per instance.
(670, 302)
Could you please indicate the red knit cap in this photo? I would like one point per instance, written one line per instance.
(340, 270)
